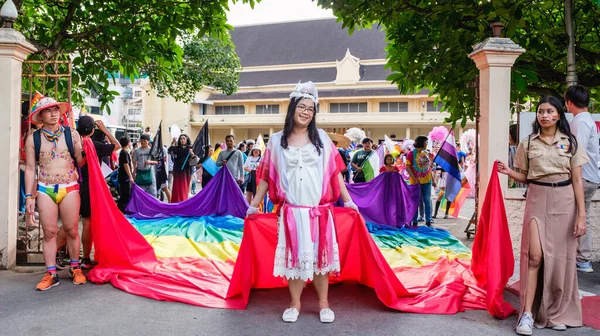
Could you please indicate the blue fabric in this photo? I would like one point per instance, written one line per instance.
(22, 191)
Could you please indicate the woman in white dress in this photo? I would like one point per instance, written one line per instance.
(301, 170)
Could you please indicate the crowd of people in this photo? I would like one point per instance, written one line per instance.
(302, 169)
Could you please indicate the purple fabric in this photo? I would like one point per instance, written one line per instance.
(221, 196)
(387, 199)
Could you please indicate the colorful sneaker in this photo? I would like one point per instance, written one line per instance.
(525, 326)
(87, 263)
(585, 267)
(48, 281)
(78, 277)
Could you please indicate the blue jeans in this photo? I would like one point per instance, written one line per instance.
(426, 199)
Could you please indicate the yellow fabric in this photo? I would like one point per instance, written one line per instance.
(177, 247)
(548, 158)
(215, 155)
(411, 256)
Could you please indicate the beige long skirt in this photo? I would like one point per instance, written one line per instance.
(557, 298)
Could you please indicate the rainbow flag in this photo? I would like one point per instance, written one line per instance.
(459, 201)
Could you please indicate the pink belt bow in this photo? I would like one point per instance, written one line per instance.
(319, 219)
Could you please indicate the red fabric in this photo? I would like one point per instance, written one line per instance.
(181, 186)
(493, 260)
(445, 287)
(119, 247)
(383, 169)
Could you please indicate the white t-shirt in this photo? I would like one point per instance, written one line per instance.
(252, 163)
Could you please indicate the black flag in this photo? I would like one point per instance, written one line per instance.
(201, 141)
(157, 154)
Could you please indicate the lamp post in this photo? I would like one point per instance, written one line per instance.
(8, 13)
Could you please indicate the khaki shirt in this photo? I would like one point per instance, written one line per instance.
(548, 159)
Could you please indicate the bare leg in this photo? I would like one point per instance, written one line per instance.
(86, 237)
(321, 283)
(296, 287)
(535, 260)
(69, 213)
(168, 193)
(49, 219)
(249, 197)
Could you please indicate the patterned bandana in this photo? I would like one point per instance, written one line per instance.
(53, 137)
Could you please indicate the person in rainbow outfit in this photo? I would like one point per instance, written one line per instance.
(57, 190)
(301, 170)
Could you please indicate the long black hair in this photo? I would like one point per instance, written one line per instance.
(313, 133)
(561, 124)
(188, 143)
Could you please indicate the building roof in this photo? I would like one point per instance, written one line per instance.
(321, 40)
(322, 94)
(318, 75)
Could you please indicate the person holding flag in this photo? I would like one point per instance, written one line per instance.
(183, 157)
(447, 160)
(365, 162)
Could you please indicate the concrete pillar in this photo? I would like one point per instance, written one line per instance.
(14, 49)
(494, 58)
(407, 133)
(271, 131)
(232, 131)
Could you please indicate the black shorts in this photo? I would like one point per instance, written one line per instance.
(84, 193)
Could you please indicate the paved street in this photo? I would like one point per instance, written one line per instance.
(105, 310)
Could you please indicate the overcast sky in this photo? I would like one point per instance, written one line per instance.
(275, 11)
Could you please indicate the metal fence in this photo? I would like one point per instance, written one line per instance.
(51, 77)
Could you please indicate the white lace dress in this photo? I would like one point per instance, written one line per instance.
(302, 178)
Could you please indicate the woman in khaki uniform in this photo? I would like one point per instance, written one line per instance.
(550, 161)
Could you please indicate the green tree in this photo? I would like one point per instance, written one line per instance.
(134, 38)
(429, 40)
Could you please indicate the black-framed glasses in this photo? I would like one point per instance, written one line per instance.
(303, 108)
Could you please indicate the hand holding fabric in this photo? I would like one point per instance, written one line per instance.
(350, 204)
(251, 211)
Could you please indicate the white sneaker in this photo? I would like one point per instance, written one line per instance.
(326, 315)
(525, 326)
(290, 315)
(560, 327)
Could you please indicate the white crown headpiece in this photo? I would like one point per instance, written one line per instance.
(306, 90)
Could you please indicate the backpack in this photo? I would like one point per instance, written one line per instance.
(37, 143)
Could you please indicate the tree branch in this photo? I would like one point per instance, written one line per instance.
(63, 29)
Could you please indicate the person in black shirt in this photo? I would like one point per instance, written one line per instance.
(125, 175)
(86, 128)
(183, 156)
(206, 176)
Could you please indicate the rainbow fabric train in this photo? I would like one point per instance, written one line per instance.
(201, 252)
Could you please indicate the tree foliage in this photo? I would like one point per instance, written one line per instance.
(134, 38)
(429, 40)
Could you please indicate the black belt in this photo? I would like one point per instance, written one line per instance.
(553, 184)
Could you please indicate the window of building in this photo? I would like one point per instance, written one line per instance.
(137, 94)
(347, 107)
(267, 109)
(431, 106)
(230, 109)
(94, 109)
(93, 94)
(135, 111)
(393, 107)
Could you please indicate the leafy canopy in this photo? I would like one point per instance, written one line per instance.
(429, 40)
(161, 39)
